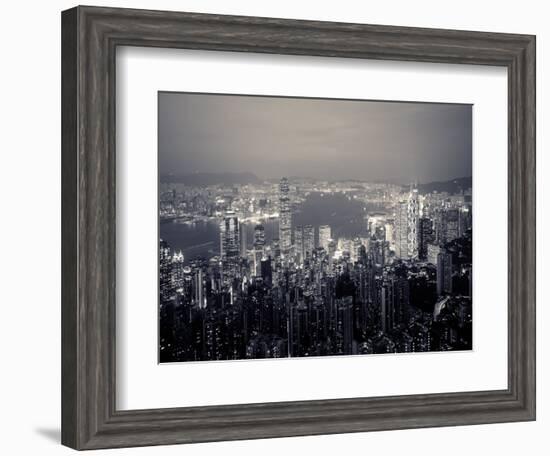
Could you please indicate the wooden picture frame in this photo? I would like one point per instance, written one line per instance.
(90, 36)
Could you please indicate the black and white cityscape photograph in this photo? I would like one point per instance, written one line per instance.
(298, 227)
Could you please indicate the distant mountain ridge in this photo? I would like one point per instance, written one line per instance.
(242, 178)
(450, 186)
(204, 179)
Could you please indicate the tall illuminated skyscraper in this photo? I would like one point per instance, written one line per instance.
(165, 270)
(413, 210)
(325, 236)
(309, 241)
(285, 218)
(229, 244)
(198, 294)
(401, 230)
(177, 270)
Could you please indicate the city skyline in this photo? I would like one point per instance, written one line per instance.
(385, 141)
(290, 267)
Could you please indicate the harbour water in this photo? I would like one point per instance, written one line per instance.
(345, 215)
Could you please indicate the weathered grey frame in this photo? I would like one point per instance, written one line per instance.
(90, 36)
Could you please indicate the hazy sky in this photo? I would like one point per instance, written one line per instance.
(328, 139)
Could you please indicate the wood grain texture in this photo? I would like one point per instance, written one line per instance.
(69, 176)
(89, 39)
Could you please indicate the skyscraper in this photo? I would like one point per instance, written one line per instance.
(389, 232)
(259, 248)
(325, 236)
(425, 237)
(444, 273)
(165, 271)
(285, 218)
(259, 235)
(331, 249)
(401, 230)
(356, 246)
(265, 266)
(276, 247)
(433, 251)
(177, 270)
(309, 241)
(464, 219)
(450, 221)
(377, 250)
(229, 244)
(198, 289)
(413, 209)
(243, 241)
(299, 243)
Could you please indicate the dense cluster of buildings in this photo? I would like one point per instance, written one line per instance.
(403, 285)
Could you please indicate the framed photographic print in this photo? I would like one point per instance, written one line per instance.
(279, 228)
